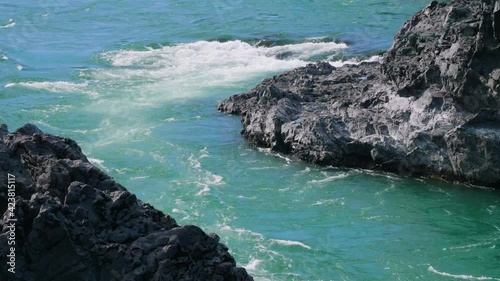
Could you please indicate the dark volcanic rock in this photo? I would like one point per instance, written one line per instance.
(430, 107)
(76, 223)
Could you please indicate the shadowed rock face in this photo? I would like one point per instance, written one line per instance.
(430, 107)
(76, 223)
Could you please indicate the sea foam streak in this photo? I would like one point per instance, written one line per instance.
(252, 265)
(356, 62)
(95, 161)
(464, 277)
(290, 243)
(330, 178)
(10, 23)
(56, 87)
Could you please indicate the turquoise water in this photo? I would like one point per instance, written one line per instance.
(137, 83)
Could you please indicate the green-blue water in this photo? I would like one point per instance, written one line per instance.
(136, 84)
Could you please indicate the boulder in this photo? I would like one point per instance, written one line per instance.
(74, 222)
(419, 111)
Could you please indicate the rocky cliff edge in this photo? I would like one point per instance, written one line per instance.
(70, 221)
(429, 107)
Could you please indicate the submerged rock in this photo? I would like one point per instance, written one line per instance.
(430, 107)
(76, 223)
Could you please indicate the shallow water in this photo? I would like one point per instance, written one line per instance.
(136, 85)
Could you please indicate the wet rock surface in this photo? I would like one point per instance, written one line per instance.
(76, 223)
(429, 107)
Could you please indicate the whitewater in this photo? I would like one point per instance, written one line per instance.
(137, 84)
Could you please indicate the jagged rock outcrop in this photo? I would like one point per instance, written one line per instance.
(76, 223)
(430, 107)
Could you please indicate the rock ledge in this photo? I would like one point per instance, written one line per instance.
(76, 223)
(431, 107)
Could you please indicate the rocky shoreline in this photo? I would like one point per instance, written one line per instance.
(429, 108)
(74, 222)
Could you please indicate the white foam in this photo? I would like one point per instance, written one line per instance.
(214, 179)
(201, 53)
(10, 23)
(327, 201)
(194, 162)
(464, 277)
(152, 78)
(204, 190)
(305, 171)
(139, 178)
(307, 50)
(269, 151)
(204, 152)
(288, 160)
(372, 217)
(96, 161)
(290, 243)
(19, 67)
(172, 70)
(51, 110)
(252, 264)
(136, 82)
(158, 157)
(242, 231)
(4, 57)
(330, 178)
(387, 189)
(355, 61)
(56, 87)
(263, 168)
(474, 245)
(316, 39)
(207, 180)
(248, 198)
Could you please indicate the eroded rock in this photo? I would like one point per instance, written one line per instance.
(411, 113)
(74, 222)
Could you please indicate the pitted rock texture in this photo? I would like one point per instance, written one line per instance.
(430, 107)
(76, 223)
